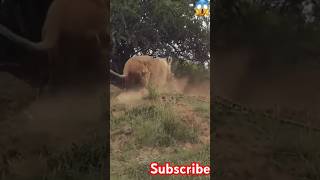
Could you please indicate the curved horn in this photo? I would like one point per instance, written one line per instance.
(117, 74)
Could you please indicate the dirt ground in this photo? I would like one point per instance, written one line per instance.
(248, 145)
(191, 108)
(32, 130)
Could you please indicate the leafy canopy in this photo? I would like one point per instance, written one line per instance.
(164, 28)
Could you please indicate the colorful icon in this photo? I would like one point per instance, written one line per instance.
(202, 8)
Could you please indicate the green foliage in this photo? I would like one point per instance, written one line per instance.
(277, 32)
(165, 27)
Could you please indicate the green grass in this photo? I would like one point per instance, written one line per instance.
(80, 161)
(153, 93)
(180, 157)
(292, 150)
(157, 126)
(297, 146)
(85, 161)
(200, 107)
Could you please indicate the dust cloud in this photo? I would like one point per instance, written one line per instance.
(242, 78)
(66, 118)
(131, 97)
(180, 85)
(185, 86)
(52, 122)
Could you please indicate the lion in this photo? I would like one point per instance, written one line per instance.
(82, 18)
(144, 71)
(74, 33)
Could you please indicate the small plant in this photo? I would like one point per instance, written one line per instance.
(153, 93)
(163, 128)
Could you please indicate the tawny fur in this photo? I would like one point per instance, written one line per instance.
(78, 18)
(144, 71)
(73, 35)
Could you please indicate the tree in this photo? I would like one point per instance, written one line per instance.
(164, 28)
(276, 30)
